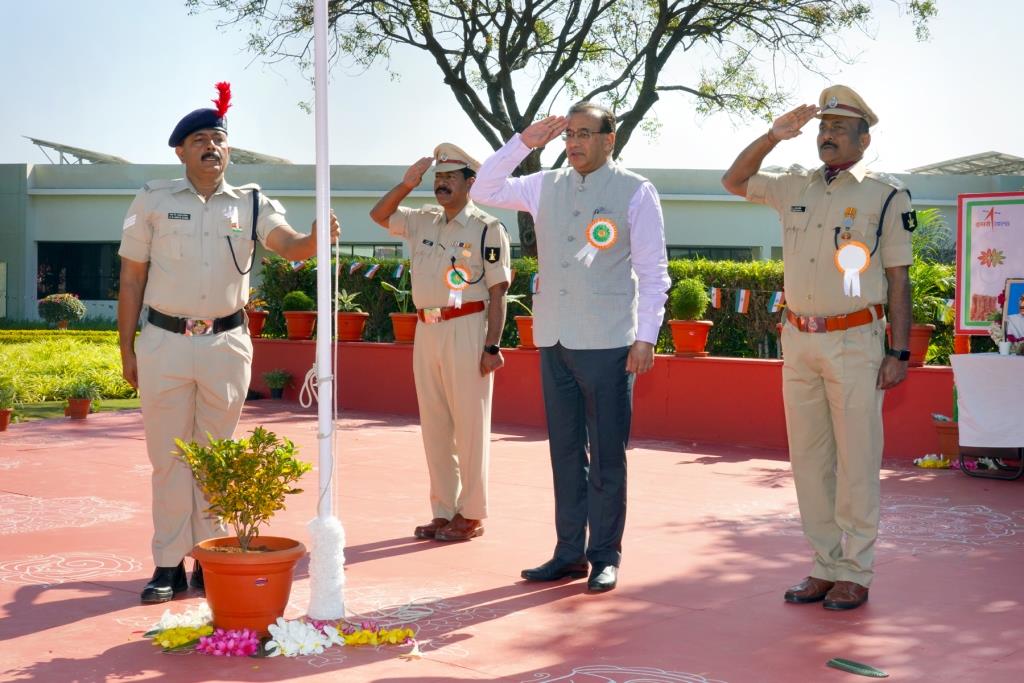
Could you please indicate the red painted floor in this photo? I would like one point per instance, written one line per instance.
(712, 539)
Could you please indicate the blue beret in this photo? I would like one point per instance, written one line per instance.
(197, 120)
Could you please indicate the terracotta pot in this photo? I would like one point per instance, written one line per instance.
(5, 418)
(949, 438)
(961, 343)
(78, 408)
(920, 337)
(257, 319)
(248, 590)
(62, 324)
(404, 327)
(351, 325)
(524, 323)
(300, 324)
(689, 337)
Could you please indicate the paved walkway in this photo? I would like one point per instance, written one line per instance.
(712, 539)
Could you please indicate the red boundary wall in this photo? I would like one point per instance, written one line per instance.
(734, 401)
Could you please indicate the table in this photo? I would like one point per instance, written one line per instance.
(990, 403)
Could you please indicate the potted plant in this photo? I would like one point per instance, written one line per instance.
(7, 395)
(687, 302)
(248, 577)
(256, 313)
(524, 323)
(59, 309)
(932, 284)
(403, 322)
(351, 318)
(80, 395)
(299, 314)
(276, 380)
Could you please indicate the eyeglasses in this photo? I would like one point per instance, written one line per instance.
(582, 133)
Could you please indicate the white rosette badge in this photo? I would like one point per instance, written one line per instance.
(457, 279)
(852, 259)
(601, 235)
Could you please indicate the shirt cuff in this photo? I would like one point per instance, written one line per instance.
(894, 257)
(757, 188)
(133, 250)
(647, 331)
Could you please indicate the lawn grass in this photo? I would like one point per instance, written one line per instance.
(48, 410)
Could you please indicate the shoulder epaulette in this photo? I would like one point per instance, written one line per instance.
(886, 179)
(159, 185)
(797, 169)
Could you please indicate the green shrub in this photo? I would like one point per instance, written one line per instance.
(59, 307)
(298, 301)
(45, 369)
(277, 378)
(85, 336)
(7, 394)
(84, 388)
(688, 299)
(347, 302)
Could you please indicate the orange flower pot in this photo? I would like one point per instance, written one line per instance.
(920, 337)
(689, 337)
(5, 418)
(404, 327)
(524, 323)
(257, 319)
(949, 438)
(248, 590)
(300, 324)
(78, 408)
(351, 325)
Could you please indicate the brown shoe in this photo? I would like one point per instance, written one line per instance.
(808, 590)
(846, 595)
(460, 529)
(430, 530)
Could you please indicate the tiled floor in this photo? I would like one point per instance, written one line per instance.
(712, 539)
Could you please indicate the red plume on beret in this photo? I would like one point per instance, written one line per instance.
(223, 100)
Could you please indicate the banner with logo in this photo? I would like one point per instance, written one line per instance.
(989, 250)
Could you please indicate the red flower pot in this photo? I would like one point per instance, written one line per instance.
(257, 319)
(351, 325)
(300, 324)
(404, 327)
(689, 337)
(524, 323)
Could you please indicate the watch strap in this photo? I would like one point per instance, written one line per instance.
(899, 354)
(492, 349)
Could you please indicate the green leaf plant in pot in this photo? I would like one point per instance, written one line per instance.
(80, 396)
(7, 396)
(687, 302)
(524, 323)
(256, 312)
(299, 311)
(351, 319)
(403, 321)
(248, 577)
(60, 309)
(276, 381)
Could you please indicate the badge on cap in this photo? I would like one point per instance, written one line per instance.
(443, 156)
(832, 101)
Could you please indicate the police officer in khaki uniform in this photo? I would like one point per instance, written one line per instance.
(847, 252)
(460, 272)
(186, 250)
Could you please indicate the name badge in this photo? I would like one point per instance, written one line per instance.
(797, 209)
(179, 216)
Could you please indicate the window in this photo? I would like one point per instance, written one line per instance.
(89, 269)
(382, 251)
(715, 253)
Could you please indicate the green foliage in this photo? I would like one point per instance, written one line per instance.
(46, 368)
(84, 388)
(91, 324)
(57, 307)
(7, 393)
(245, 480)
(520, 301)
(688, 299)
(277, 378)
(85, 336)
(347, 302)
(298, 301)
(401, 291)
(932, 285)
(256, 301)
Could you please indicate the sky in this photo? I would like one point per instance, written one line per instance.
(114, 76)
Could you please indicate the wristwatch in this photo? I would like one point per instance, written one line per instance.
(493, 349)
(899, 354)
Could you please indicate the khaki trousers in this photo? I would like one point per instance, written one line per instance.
(834, 422)
(188, 386)
(455, 413)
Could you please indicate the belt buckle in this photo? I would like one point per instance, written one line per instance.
(432, 315)
(815, 324)
(198, 327)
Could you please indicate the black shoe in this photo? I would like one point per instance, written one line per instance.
(603, 577)
(165, 583)
(197, 578)
(555, 569)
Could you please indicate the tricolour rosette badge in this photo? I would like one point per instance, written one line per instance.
(457, 279)
(601, 235)
(852, 259)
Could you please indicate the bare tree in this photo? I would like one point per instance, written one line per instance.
(508, 62)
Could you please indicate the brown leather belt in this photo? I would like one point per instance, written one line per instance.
(442, 313)
(195, 327)
(834, 323)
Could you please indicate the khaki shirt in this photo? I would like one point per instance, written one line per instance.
(186, 241)
(434, 241)
(810, 210)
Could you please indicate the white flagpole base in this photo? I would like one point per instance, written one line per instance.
(326, 569)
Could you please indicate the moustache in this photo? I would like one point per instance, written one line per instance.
(211, 155)
(828, 144)
(442, 188)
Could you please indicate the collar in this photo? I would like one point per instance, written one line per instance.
(225, 187)
(858, 170)
(462, 217)
(596, 174)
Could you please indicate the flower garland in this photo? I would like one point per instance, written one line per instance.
(933, 461)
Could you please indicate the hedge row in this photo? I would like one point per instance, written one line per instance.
(84, 336)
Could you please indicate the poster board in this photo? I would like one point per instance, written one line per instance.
(989, 250)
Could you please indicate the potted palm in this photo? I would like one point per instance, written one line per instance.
(932, 285)
(248, 577)
(256, 313)
(80, 395)
(276, 380)
(59, 309)
(524, 323)
(351, 318)
(687, 302)
(403, 322)
(299, 314)
(7, 395)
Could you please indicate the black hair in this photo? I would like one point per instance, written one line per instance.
(467, 172)
(863, 128)
(603, 113)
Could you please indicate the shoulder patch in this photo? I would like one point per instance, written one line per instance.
(909, 220)
(887, 179)
(492, 254)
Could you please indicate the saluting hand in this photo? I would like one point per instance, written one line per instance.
(544, 131)
(414, 174)
(789, 124)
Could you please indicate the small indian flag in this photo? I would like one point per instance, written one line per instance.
(742, 300)
(399, 269)
(354, 266)
(534, 283)
(716, 297)
(776, 302)
(372, 271)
